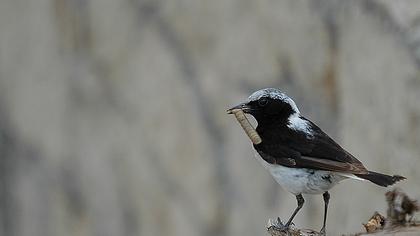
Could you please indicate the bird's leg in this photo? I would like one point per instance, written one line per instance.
(280, 226)
(300, 202)
(326, 196)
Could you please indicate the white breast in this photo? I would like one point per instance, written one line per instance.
(301, 180)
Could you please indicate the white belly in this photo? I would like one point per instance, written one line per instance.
(301, 180)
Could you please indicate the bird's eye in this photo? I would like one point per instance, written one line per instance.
(262, 102)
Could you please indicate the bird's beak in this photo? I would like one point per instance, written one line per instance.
(243, 106)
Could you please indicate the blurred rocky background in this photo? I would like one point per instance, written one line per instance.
(112, 112)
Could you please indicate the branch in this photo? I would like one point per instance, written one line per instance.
(399, 220)
(274, 229)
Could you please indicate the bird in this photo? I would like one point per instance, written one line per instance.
(301, 157)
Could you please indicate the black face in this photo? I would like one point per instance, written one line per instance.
(268, 109)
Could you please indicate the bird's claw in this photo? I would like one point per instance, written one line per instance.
(279, 226)
(322, 232)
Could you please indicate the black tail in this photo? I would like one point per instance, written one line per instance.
(381, 179)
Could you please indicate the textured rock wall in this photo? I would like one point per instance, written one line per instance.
(112, 113)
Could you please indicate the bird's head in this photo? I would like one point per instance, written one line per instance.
(267, 104)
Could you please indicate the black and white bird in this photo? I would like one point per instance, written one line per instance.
(298, 154)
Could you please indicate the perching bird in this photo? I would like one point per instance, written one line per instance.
(298, 154)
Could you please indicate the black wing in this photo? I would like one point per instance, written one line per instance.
(287, 147)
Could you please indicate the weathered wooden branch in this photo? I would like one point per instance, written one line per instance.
(398, 221)
(273, 228)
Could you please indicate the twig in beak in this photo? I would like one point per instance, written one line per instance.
(249, 130)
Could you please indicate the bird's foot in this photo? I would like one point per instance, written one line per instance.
(277, 225)
(323, 232)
